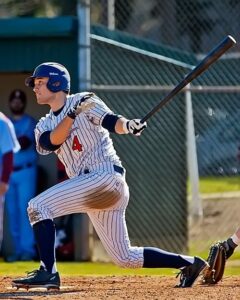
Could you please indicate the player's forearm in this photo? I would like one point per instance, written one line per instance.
(120, 126)
(61, 132)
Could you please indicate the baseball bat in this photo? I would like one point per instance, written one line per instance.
(204, 64)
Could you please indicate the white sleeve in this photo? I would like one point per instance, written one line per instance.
(98, 112)
(9, 140)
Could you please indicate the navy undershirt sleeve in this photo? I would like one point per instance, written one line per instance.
(46, 143)
(110, 121)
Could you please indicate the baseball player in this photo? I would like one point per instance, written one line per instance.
(77, 131)
(8, 145)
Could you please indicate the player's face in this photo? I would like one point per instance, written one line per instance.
(43, 94)
(17, 106)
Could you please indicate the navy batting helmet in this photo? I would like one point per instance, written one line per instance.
(59, 78)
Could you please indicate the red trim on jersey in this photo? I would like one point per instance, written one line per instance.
(7, 166)
(61, 173)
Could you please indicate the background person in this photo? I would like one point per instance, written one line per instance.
(23, 181)
(8, 146)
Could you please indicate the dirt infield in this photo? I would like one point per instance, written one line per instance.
(125, 287)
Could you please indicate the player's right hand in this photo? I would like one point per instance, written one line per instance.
(135, 126)
(81, 106)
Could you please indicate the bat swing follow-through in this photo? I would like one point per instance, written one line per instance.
(204, 64)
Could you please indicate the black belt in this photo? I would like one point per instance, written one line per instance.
(18, 168)
(116, 168)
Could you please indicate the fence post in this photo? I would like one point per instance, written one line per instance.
(81, 221)
(84, 45)
(196, 203)
(111, 14)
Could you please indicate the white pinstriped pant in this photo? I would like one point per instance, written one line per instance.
(104, 196)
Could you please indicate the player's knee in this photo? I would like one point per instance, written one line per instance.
(127, 262)
(33, 214)
(120, 262)
(37, 213)
(132, 257)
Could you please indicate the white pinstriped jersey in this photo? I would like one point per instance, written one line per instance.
(88, 143)
(102, 192)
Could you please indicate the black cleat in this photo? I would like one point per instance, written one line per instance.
(38, 278)
(189, 274)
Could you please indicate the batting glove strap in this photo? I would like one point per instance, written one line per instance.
(72, 112)
(134, 126)
(77, 108)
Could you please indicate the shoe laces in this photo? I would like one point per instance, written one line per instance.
(183, 273)
(32, 273)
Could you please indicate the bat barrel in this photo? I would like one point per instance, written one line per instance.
(211, 57)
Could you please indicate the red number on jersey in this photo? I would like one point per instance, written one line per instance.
(76, 145)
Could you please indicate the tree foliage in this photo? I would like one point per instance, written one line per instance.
(37, 8)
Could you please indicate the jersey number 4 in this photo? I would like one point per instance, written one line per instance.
(76, 145)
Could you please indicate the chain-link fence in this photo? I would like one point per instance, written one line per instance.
(189, 25)
(140, 50)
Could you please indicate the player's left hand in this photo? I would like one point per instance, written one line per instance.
(135, 126)
(81, 106)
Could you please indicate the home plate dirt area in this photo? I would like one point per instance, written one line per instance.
(125, 287)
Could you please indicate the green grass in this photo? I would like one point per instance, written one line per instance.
(99, 269)
(80, 269)
(219, 184)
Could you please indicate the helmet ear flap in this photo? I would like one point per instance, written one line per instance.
(54, 85)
